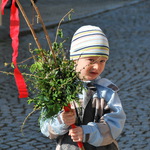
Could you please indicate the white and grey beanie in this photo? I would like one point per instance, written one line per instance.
(89, 41)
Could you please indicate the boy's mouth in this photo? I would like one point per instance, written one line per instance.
(94, 73)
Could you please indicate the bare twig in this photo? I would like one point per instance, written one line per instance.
(44, 28)
(61, 22)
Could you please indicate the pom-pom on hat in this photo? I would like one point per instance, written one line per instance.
(89, 41)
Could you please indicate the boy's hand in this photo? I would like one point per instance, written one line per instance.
(76, 134)
(69, 118)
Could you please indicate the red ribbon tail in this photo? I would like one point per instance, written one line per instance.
(21, 85)
(14, 34)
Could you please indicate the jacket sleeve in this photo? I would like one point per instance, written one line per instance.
(110, 125)
(53, 127)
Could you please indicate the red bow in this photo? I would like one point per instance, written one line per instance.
(14, 33)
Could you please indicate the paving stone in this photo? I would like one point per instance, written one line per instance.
(14, 148)
(4, 146)
(26, 147)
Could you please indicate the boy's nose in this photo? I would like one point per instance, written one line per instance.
(96, 65)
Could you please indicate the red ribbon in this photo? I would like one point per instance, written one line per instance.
(80, 144)
(14, 34)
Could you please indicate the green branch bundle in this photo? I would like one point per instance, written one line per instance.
(55, 84)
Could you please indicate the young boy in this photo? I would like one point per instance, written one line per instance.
(101, 118)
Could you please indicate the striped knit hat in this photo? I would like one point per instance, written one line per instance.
(89, 41)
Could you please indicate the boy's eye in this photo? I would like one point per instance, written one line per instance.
(102, 61)
(91, 60)
(96, 61)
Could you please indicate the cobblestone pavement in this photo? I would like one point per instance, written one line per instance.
(128, 30)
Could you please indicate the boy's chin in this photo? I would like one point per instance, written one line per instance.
(88, 78)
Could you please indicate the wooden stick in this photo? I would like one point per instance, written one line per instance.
(29, 25)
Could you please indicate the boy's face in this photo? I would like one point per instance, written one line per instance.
(90, 67)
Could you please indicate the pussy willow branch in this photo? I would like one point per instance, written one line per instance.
(35, 109)
(8, 73)
(44, 28)
(23, 60)
(25, 74)
(61, 22)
